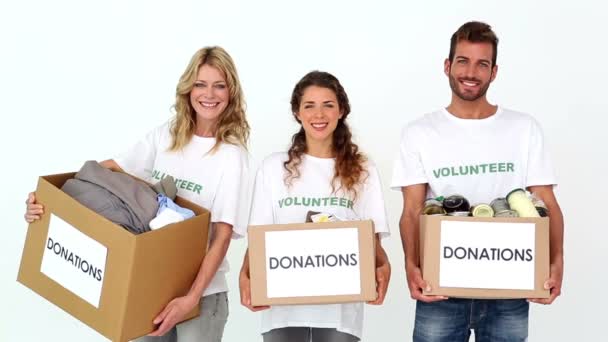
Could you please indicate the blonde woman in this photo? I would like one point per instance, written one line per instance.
(203, 146)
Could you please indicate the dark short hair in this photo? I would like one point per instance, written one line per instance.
(474, 32)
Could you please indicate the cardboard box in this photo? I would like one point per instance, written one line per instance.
(114, 281)
(312, 263)
(473, 257)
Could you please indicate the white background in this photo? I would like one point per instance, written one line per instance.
(318, 280)
(492, 273)
(83, 80)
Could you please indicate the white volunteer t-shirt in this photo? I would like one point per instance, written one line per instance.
(215, 181)
(274, 203)
(478, 159)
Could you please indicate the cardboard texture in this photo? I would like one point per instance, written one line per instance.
(257, 261)
(430, 254)
(142, 272)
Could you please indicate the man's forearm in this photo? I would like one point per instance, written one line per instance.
(410, 239)
(556, 235)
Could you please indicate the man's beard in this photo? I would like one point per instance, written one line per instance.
(454, 84)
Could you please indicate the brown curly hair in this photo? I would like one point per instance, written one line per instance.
(232, 126)
(349, 168)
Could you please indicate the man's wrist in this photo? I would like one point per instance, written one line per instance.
(409, 264)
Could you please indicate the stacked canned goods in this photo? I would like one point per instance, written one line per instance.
(456, 205)
(517, 203)
(433, 206)
(502, 209)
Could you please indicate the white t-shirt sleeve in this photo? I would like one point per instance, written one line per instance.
(540, 169)
(371, 202)
(261, 202)
(408, 168)
(139, 159)
(230, 201)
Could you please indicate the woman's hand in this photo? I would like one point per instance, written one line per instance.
(33, 210)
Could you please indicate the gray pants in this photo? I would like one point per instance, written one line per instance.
(208, 327)
(306, 334)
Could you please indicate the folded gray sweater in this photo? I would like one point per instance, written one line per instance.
(117, 196)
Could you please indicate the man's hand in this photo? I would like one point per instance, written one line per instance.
(416, 284)
(553, 284)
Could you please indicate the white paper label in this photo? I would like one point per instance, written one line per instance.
(74, 260)
(321, 262)
(487, 255)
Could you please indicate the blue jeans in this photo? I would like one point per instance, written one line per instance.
(493, 320)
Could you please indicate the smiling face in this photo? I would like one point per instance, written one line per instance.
(319, 113)
(209, 95)
(471, 71)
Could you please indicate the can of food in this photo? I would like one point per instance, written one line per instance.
(433, 207)
(520, 202)
(543, 212)
(459, 213)
(506, 213)
(482, 210)
(500, 204)
(454, 203)
(540, 205)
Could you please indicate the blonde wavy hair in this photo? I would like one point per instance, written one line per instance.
(232, 126)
